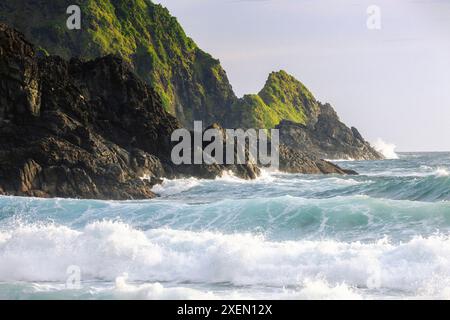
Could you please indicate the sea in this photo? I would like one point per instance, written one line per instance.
(384, 234)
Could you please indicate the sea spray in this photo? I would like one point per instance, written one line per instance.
(386, 149)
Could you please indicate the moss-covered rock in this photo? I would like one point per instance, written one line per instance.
(252, 112)
(282, 98)
(305, 124)
(191, 83)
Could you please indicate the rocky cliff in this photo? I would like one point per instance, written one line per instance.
(93, 129)
(83, 129)
(191, 83)
(327, 137)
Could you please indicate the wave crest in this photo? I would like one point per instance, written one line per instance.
(106, 250)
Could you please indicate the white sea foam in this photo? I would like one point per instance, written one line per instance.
(156, 291)
(106, 250)
(229, 176)
(386, 149)
(441, 172)
(266, 175)
(121, 288)
(322, 290)
(176, 186)
(306, 290)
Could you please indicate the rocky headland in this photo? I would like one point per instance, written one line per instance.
(93, 129)
(191, 83)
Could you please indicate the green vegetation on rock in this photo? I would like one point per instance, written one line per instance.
(283, 97)
(252, 112)
(191, 83)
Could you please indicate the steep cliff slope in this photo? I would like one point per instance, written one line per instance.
(191, 83)
(83, 129)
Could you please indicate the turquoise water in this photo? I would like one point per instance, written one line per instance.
(383, 234)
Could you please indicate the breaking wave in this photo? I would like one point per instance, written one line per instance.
(383, 234)
(105, 251)
(386, 149)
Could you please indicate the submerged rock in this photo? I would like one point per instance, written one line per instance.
(294, 161)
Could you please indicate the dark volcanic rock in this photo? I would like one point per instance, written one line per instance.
(211, 171)
(327, 138)
(82, 129)
(293, 161)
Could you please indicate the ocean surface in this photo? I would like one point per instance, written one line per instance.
(382, 235)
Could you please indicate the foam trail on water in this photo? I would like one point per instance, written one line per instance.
(171, 187)
(122, 288)
(306, 290)
(177, 186)
(266, 175)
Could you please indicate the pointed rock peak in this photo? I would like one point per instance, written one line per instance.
(283, 86)
(281, 75)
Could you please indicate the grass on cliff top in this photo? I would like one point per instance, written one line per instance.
(144, 34)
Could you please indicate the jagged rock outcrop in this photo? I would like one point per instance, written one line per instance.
(289, 160)
(305, 124)
(327, 138)
(210, 171)
(293, 161)
(82, 129)
(282, 97)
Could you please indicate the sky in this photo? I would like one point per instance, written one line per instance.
(391, 82)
